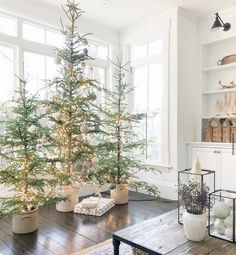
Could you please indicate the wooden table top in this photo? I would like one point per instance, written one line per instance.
(164, 235)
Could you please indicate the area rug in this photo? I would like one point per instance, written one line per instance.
(106, 248)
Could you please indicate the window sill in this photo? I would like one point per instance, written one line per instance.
(158, 166)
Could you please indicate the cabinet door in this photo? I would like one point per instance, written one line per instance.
(228, 170)
(209, 159)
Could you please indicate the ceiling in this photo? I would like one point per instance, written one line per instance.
(120, 13)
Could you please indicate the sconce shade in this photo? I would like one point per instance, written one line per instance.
(218, 23)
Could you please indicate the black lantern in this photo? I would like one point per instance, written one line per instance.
(222, 215)
(186, 176)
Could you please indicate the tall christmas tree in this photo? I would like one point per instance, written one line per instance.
(71, 111)
(117, 163)
(25, 169)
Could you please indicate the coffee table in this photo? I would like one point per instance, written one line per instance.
(163, 235)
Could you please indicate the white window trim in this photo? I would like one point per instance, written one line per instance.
(164, 59)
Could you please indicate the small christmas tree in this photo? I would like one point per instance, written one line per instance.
(71, 111)
(117, 165)
(24, 168)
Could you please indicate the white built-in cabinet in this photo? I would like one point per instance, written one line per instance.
(218, 157)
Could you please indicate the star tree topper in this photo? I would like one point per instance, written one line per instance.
(72, 6)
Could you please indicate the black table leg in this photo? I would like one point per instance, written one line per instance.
(116, 245)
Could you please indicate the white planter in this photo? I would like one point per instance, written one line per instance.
(195, 226)
(68, 205)
(120, 194)
(25, 222)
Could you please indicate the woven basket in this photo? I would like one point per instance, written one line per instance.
(233, 130)
(227, 60)
(208, 130)
(226, 131)
(214, 130)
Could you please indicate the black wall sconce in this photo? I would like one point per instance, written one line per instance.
(218, 23)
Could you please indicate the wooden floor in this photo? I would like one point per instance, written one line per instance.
(65, 233)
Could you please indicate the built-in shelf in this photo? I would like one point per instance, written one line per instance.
(218, 68)
(219, 116)
(219, 91)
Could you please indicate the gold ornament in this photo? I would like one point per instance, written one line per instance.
(84, 129)
(94, 160)
(83, 64)
(57, 60)
(45, 138)
(80, 137)
(60, 117)
(87, 116)
(48, 110)
(88, 163)
(93, 97)
(69, 66)
(80, 76)
(56, 98)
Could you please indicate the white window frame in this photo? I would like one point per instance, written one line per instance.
(14, 48)
(21, 45)
(162, 58)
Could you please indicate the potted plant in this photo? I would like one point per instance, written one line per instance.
(194, 196)
(25, 169)
(117, 165)
(71, 116)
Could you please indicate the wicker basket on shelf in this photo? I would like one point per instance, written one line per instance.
(233, 130)
(208, 131)
(226, 131)
(214, 130)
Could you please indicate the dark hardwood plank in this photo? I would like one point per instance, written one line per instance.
(66, 233)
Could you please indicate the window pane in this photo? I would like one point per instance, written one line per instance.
(98, 51)
(6, 73)
(139, 51)
(54, 39)
(51, 68)
(102, 52)
(154, 137)
(155, 47)
(33, 33)
(155, 87)
(34, 66)
(92, 50)
(8, 26)
(140, 81)
(140, 130)
(98, 74)
(148, 82)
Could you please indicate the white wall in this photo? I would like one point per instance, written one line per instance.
(189, 89)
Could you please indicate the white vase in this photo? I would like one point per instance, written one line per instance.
(120, 194)
(25, 222)
(68, 205)
(195, 226)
